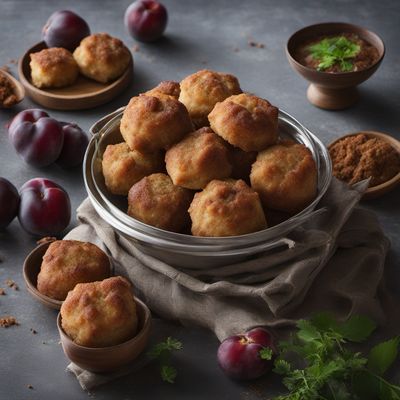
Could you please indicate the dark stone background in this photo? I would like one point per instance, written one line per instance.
(200, 34)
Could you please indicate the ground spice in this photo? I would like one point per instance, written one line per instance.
(360, 157)
(7, 93)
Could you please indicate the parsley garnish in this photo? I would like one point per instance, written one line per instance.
(335, 50)
(317, 365)
(162, 352)
(266, 353)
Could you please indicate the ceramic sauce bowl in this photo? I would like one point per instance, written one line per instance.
(328, 90)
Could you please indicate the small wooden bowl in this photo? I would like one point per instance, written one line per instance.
(84, 93)
(16, 85)
(31, 271)
(106, 359)
(378, 190)
(332, 91)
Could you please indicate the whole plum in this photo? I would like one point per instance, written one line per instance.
(74, 147)
(37, 138)
(45, 208)
(9, 201)
(248, 355)
(146, 20)
(65, 29)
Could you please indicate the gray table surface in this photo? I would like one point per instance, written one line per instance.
(200, 34)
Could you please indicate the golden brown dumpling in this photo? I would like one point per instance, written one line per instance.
(53, 68)
(102, 57)
(123, 167)
(285, 177)
(100, 314)
(226, 208)
(246, 121)
(156, 201)
(198, 159)
(154, 122)
(203, 89)
(68, 262)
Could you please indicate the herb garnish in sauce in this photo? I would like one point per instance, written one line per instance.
(334, 50)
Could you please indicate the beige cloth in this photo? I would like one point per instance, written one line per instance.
(337, 264)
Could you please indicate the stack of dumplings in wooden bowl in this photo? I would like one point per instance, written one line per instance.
(99, 56)
(202, 157)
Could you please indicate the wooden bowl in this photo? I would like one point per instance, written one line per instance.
(16, 85)
(378, 190)
(31, 271)
(84, 93)
(332, 91)
(106, 359)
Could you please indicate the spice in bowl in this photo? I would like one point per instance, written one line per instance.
(362, 156)
(346, 52)
(7, 93)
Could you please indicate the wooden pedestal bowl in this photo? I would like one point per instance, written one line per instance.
(332, 91)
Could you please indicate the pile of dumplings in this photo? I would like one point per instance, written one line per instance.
(202, 157)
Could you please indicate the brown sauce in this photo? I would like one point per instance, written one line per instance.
(366, 57)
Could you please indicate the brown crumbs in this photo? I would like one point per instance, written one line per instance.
(30, 386)
(33, 331)
(8, 321)
(46, 239)
(2, 292)
(7, 92)
(252, 43)
(11, 284)
(135, 48)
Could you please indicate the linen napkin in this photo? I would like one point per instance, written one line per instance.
(336, 264)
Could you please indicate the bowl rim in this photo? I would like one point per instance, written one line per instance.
(32, 288)
(335, 74)
(387, 138)
(203, 242)
(147, 320)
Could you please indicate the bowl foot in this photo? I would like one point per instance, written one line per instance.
(332, 99)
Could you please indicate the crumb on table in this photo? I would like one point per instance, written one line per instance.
(7, 321)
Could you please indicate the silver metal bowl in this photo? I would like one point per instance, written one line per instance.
(192, 252)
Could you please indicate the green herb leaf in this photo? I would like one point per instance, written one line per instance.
(282, 367)
(162, 351)
(321, 367)
(168, 373)
(334, 50)
(324, 321)
(382, 356)
(307, 331)
(168, 345)
(357, 328)
(266, 353)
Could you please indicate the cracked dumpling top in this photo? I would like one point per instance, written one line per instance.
(226, 208)
(203, 89)
(154, 122)
(246, 121)
(102, 57)
(285, 176)
(53, 68)
(100, 314)
(198, 159)
(68, 262)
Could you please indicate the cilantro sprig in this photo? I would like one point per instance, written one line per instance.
(334, 50)
(316, 363)
(162, 352)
